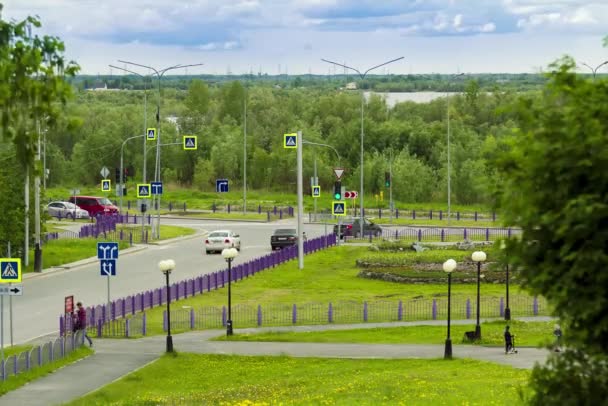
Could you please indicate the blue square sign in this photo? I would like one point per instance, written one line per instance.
(157, 188)
(221, 185)
(107, 250)
(107, 267)
(10, 270)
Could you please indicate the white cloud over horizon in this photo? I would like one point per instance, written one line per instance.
(293, 35)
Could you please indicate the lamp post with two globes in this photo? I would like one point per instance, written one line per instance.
(448, 267)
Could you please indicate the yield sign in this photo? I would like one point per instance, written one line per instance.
(338, 172)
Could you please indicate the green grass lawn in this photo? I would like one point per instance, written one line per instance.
(222, 215)
(16, 381)
(240, 380)
(16, 350)
(329, 275)
(531, 334)
(65, 251)
(401, 221)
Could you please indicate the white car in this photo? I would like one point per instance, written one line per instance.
(63, 210)
(220, 239)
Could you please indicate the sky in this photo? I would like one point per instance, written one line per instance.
(292, 36)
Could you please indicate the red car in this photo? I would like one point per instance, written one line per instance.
(96, 206)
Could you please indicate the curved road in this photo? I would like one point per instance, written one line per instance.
(36, 313)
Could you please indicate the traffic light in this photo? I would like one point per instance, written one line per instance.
(387, 179)
(117, 175)
(338, 190)
(125, 175)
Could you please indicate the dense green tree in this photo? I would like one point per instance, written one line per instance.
(556, 189)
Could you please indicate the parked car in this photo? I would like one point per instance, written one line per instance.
(220, 239)
(68, 210)
(353, 229)
(283, 237)
(95, 206)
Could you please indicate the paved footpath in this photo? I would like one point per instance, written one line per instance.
(115, 358)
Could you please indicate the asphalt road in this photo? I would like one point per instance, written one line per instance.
(36, 313)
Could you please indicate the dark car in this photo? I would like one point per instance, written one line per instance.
(352, 228)
(283, 237)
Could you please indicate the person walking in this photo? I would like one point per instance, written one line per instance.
(81, 322)
(557, 332)
(508, 341)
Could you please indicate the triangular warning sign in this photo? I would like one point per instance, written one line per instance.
(9, 271)
(151, 133)
(291, 141)
(190, 143)
(339, 208)
(143, 190)
(338, 172)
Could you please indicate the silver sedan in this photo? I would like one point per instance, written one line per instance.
(66, 210)
(220, 239)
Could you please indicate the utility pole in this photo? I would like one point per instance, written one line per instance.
(362, 76)
(245, 154)
(37, 247)
(300, 202)
(157, 174)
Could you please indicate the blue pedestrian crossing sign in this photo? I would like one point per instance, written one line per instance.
(106, 185)
(107, 267)
(151, 134)
(290, 140)
(316, 191)
(10, 270)
(157, 188)
(143, 191)
(221, 185)
(338, 209)
(107, 250)
(190, 142)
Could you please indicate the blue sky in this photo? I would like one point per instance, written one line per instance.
(291, 36)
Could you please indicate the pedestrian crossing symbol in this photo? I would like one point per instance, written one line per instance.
(316, 191)
(151, 134)
(189, 142)
(338, 209)
(10, 270)
(143, 190)
(106, 185)
(290, 140)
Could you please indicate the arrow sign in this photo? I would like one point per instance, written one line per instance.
(338, 172)
(11, 290)
(157, 188)
(221, 185)
(107, 267)
(107, 250)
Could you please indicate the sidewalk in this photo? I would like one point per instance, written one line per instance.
(115, 358)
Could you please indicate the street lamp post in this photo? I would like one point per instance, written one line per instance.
(448, 267)
(449, 164)
(166, 267)
(229, 254)
(479, 257)
(507, 308)
(159, 75)
(362, 76)
(594, 70)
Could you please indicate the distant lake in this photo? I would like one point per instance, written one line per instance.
(416, 97)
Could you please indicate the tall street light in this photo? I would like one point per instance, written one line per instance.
(449, 164)
(479, 257)
(594, 70)
(122, 165)
(144, 77)
(448, 267)
(362, 76)
(166, 267)
(229, 254)
(159, 75)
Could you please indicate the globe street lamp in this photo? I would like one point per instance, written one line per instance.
(448, 267)
(166, 267)
(479, 257)
(594, 70)
(229, 254)
(362, 76)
